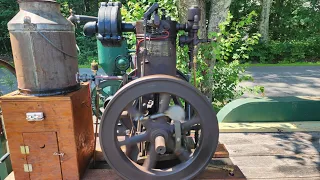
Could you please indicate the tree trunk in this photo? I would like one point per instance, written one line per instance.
(184, 5)
(264, 24)
(218, 13)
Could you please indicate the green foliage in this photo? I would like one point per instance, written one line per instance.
(289, 19)
(133, 11)
(236, 41)
(288, 51)
(293, 30)
(233, 46)
(8, 11)
(294, 19)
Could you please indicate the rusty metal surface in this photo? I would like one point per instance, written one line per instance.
(44, 49)
(161, 57)
(43, 15)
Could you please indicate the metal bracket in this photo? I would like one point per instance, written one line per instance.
(35, 116)
(24, 149)
(27, 167)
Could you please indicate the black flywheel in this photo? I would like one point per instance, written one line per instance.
(159, 127)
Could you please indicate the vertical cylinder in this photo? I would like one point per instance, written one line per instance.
(161, 57)
(44, 49)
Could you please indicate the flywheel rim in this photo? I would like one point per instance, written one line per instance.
(156, 83)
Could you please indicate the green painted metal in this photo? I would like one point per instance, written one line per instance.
(108, 88)
(5, 167)
(122, 63)
(271, 109)
(108, 56)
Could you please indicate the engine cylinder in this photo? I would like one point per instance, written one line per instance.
(44, 49)
(161, 48)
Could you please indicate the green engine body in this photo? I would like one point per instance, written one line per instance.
(114, 60)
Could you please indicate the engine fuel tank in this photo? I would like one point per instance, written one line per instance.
(44, 49)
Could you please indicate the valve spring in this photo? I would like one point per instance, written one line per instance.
(153, 30)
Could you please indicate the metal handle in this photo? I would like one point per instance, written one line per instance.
(35, 116)
(4, 157)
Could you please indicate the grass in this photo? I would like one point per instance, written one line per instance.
(84, 66)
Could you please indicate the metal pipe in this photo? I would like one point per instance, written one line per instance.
(128, 27)
(81, 18)
(160, 145)
(4, 157)
(109, 77)
(97, 122)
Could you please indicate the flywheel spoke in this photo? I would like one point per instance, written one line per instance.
(151, 161)
(187, 125)
(183, 154)
(177, 101)
(133, 110)
(134, 139)
(164, 102)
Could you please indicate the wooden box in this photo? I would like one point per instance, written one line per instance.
(58, 147)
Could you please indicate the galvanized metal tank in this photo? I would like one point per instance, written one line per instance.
(44, 49)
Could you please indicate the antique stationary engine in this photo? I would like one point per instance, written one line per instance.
(156, 126)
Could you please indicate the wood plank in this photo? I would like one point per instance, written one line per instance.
(210, 173)
(220, 173)
(280, 172)
(272, 144)
(288, 156)
(68, 115)
(285, 178)
(276, 161)
(221, 152)
(307, 126)
(42, 146)
(83, 129)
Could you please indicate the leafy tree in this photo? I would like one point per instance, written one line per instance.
(8, 11)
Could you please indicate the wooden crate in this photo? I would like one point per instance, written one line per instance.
(60, 146)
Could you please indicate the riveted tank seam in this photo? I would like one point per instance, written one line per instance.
(34, 63)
